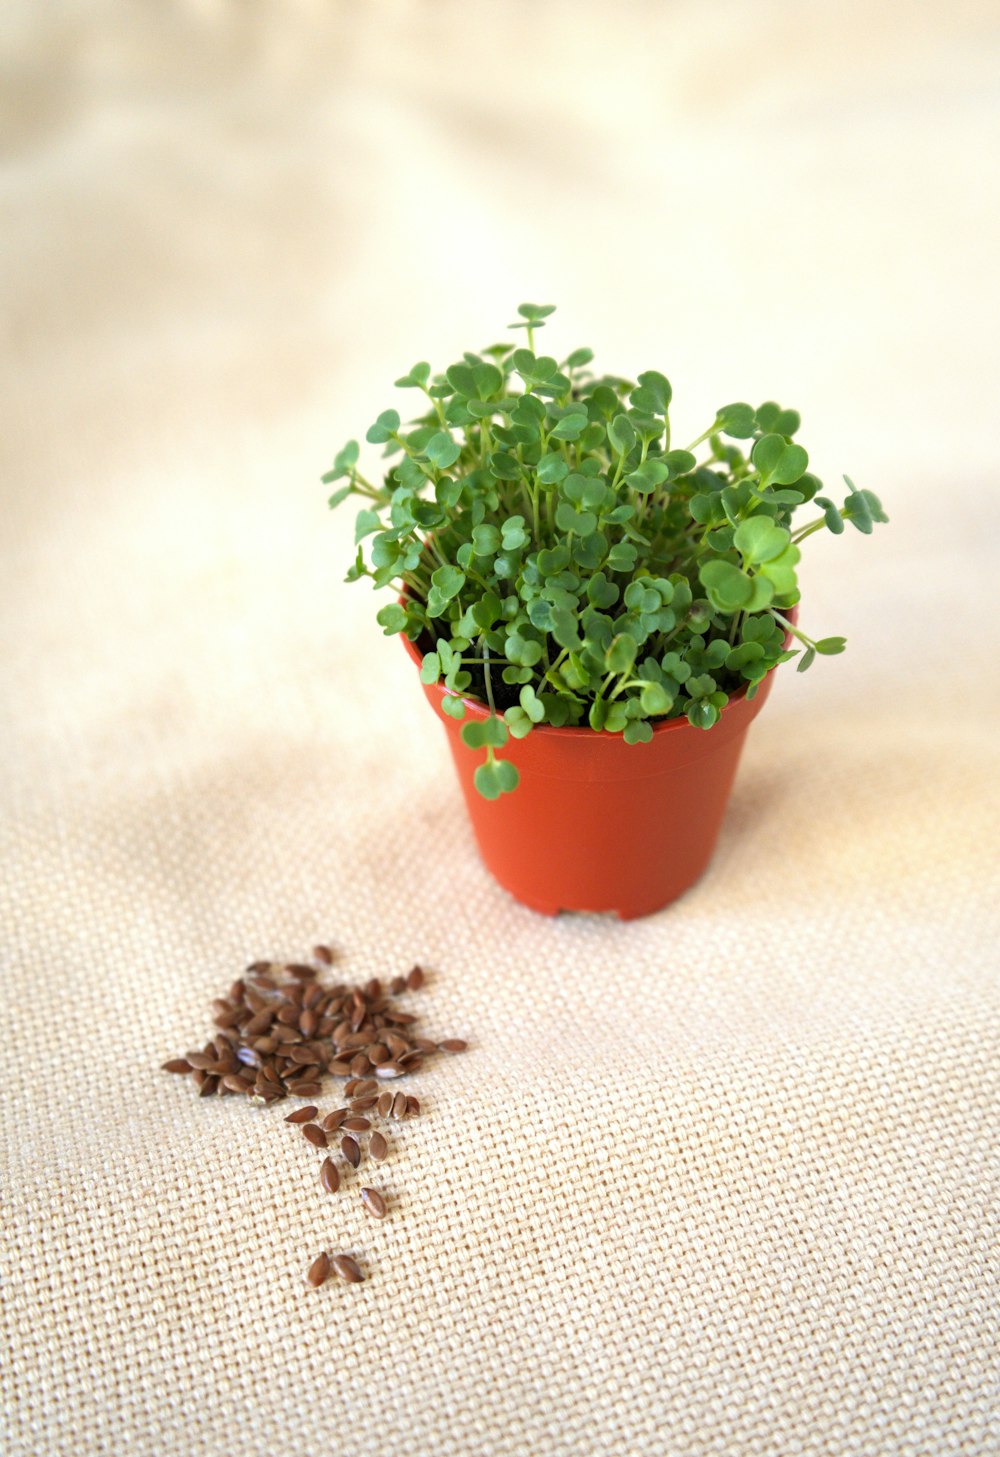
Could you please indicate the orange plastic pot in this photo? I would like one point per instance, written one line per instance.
(597, 824)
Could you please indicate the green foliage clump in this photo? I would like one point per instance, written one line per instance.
(560, 561)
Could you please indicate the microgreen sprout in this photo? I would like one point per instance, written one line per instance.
(557, 559)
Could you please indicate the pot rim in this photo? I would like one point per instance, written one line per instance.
(568, 731)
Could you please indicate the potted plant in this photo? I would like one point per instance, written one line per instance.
(595, 612)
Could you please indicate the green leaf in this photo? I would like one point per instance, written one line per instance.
(655, 699)
(600, 592)
(737, 420)
(339, 496)
(365, 523)
(343, 462)
(485, 733)
(780, 571)
(727, 586)
(485, 540)
(829, 647)
(531, 704)
(806, 660)
(579, 358)
(647, 476)
(533, 312)
(448, 581)
(621, 434)
(417, 377)
(778, 461)
(551, 469)
(621, 654)
(637, 732)
(518, 722)
(452, 705)
(659, 387)
(759, 539)
(392, 617)
(487, 379)
(831, 515)
(442, 451)
(496, 777)
(678, 463)
(384, 428)
(462, 380)
(430, 668)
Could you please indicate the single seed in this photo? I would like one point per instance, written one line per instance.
(351, 1150)
(384, 1105)
(201, 1060)
(412, 1106)
(259, 1023)
(356, 1125)
(398, 1045)
(303, 1115)
(376, 1053)
(415, 979)
(360, 1065)
(332, 1121)
(399, 1106)
(389, 1070)
(318, 1271)
(453, 1044)
(378, 1147)
(373, 989)
(347, 1269)
(259, 968)
(308, 1022)
(339, 1069)
(300, 971)
(313, 996)
(208, 1087)
(397, 985)
(236, 1084)
(324, 954)
(362, 1105)
(177, 1065)
(302, 1089)
(237, 992)
(423, 1044)
(314, 1134)
(328, 1176)
(374, 1204)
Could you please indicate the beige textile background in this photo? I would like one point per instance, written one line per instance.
(720, 1182)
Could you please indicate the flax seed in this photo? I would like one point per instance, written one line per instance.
(177, 1065)
(415, 979)
(347, 1269)
(314, 1134)
(319, 1270)
(351, 1150)
(384, 1105)
(356, 1125)
(328, 1175)
(374, 1204)
(378, 1147)
(323, 954)
(303, 1115)
(332, 1121)
(453, 1044)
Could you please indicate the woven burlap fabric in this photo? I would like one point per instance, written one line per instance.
(723, 1181)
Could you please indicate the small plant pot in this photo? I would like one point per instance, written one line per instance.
(597, 824)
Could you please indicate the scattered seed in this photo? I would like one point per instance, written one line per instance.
(351, 1150)
(362, 1105)
(347, 1269)
(374, 1204)
(324, 954)
(177, 1065)
(339, 1069)
(328, 1176)
(397, 985)
(303, 1115)
(399, 1106)
(332, 1121)
(378, 1147)
(356, 1125)
(384, 1105)
(301, 1089)
(389, 1070)
(315, 1135)
(236, 1084)
(319, 1269)
(364, 1088)
(412, 1106)
(415, 979)
(453, 1044)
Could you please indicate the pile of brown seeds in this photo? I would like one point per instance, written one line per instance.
(281, 1032)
